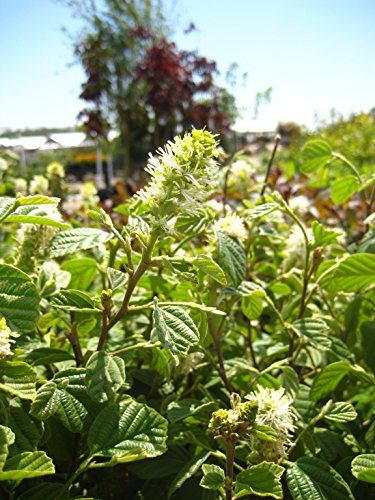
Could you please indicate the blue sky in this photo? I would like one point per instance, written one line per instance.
(315, 54)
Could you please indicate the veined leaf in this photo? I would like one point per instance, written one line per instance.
(72, 413)
(28, 431)
(47, 491)
(35, 214)
(314, 331)
(117, 279)
(174, 328)
(27, 465)
(193, 465)
(328, 379)
(19, 299)
(37, 199)
(178, 410)
(316, 154)
(6, 205)
(230, 257)
(74, 402)
(363, 468)
(322, 235)
(47, 356)
(327, 481)
(104, 376)
(67, 242)
(74, 300)
(354, 274)
(82, 271)
(301, 486)
(129, 431)
(208, 266)
(262, 480)
(7, 438)
(263, 210)
(213, 478)
(343, 188)
(17, 379)
(341, 412)
(46, 402)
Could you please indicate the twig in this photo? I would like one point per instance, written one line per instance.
(73, 338)
(270, 162)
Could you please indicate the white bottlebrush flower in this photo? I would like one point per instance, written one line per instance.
(39, 185)
(55, 169)
(183, 174)
(89, 193)
(233, 226)
(273, 410)
(5, 340)
(300, 205)
(20, 185)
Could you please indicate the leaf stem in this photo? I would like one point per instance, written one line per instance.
(133, 280)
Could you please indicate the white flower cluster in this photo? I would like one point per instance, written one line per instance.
(5, 340)
(20, 185)
(273, 410)
(39, 185)
(183, 174)
(55, 169)
(233, 226)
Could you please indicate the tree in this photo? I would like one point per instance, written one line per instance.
(138, 81)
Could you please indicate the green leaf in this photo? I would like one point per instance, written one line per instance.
(208, 266)
(104, 376)
(368, 343)
(265, 433)
(301, 486)
(74, 402)
(343, 188)
(252, 304)
(316, 154)
(67, 242)
(83, 272)
(188, 471)
(327, 481)
(178, 410)
(363, 468)
(117, 279)
(74, 300)
(174, 328)
(128, 431)
(27, 465)
(262, 480)
(28, 431)
(7, 438)
(213, 478)
(323, 236)
(46, 402)
(191, 224)
(314, 331)
(17, 379)
(262, 210)
(37, 199)
(48, 356)
(35, 214)
(328, 379)
(46, 491)
(72, 413)
(354, 274)
(6, 205)
(230, 257)
(341, 412)
(19, 299)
